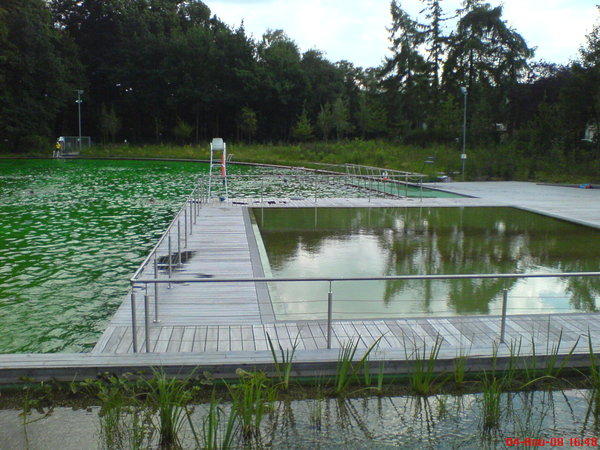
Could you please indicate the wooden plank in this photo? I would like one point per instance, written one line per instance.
(260, 339)
(224, 338)
(114, 340)
(248, 338)
(162, 342)
(187, 340)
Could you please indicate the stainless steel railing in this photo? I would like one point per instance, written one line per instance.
(330, 299)
(311, 183)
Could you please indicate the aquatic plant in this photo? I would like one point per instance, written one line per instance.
(125, 421)
(346, 370)
(491, 400)
(253, 397)
(283, 368)
(219, 431)
(460, 366)
(551, 370)
(169, 398)
(422, 376)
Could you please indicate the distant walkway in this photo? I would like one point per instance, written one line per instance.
(568, 203)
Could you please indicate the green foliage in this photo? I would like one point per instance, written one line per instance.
(303, 130)
(37, 73)
(109, 123)
(248, 123)
(169, 398)
(252, 398)
(182, 130)
(423, 375)
(347, 369)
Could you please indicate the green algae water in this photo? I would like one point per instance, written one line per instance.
(370, 242)
(72, 232)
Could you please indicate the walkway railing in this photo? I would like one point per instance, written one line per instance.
(309, 183)
(146, 282)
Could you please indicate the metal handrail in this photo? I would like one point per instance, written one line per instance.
(380, 278)
(331, 280)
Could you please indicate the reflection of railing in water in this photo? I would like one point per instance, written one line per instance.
(137, 282)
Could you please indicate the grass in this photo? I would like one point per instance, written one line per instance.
(504, 161)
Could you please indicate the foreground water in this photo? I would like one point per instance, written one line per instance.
(537, 419)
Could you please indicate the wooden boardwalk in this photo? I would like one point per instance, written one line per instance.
(224, 318)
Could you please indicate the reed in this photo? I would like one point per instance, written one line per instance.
(283, 368)
(346, 370)
(252, 398)
(422, 377)
(219, 431)
(551, 369)
(169, 399)
(491, 398)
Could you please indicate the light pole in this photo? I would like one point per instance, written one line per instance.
(78, 101)
(463, 155)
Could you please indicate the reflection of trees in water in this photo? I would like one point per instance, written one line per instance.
(447, 241)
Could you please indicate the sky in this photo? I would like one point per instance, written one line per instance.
(355, 30)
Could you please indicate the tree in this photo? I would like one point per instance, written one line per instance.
(37, 73)
(182, 130)
(340, 118)
(248, 123)
(303, 130)
(110, 124)
(483, 49)
(405, 75)
(283, 83)
(435, 39)
(590, 53)
(325, 120)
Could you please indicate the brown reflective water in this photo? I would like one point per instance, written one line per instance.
(339, 242)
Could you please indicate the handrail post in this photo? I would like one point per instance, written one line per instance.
(503, 320)
(155, 290)
(178, 241)
(191, 214)
(133, 320)
(170, 261)
(315, 187)
(329, 315)
(185, 227)
(196, 208)
(147, 321)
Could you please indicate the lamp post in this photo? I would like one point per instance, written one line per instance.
(463, 155)
(79, 101)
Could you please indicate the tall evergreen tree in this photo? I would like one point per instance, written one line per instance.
(38, 74)
(405, 75)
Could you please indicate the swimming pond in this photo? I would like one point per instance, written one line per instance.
(364, 242)
(72, 233)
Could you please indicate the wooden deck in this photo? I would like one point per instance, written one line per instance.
(224, 318)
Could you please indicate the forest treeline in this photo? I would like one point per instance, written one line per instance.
(170, 71)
